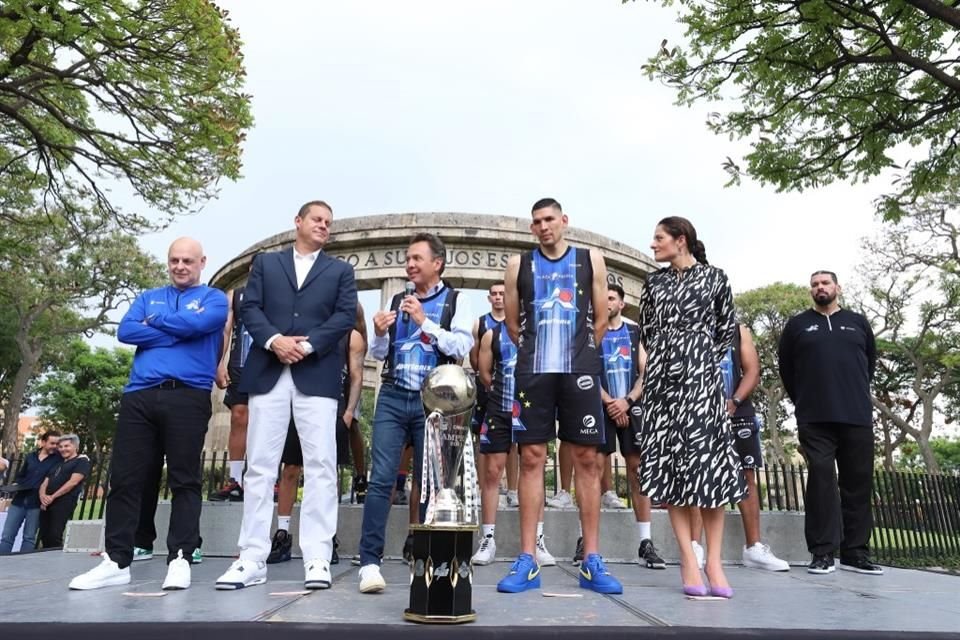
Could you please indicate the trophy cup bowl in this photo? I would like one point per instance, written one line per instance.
(449, 390)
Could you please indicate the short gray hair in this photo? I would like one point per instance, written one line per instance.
(71, 437)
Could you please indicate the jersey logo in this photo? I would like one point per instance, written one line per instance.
(622, 353)
(515, 423)
(418, 340)
(813, 327)
(562, 298)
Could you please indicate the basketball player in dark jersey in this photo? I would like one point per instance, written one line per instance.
(483, 324)
(556, 313)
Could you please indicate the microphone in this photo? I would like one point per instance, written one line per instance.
(408, 290)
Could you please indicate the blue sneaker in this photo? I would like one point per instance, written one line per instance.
(594, 576)
(524, 574)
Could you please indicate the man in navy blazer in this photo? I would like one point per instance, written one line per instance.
(299, 306)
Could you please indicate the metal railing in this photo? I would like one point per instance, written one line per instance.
(916, 515)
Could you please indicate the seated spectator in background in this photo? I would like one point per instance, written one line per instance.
(60, 491)
(25, 508)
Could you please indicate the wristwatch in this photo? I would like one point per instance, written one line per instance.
(736, 401)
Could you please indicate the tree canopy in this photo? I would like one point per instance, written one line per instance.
(765, 312)
(912, 297)
(94, 93)
(825, 90)
(82, 394)
(56, 289)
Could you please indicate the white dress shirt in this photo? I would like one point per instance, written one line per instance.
(302, 265)
(455, 343)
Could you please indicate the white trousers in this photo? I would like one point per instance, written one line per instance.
(315, 419)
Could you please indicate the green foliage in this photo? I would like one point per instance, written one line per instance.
(58, 285)
(912, 296)
(765, 312)
(945, 450)
(824, 90)
(82, 394)
(144, 92)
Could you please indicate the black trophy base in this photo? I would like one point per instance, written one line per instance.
(441, 576)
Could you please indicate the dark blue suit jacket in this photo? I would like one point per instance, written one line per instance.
(323, 309)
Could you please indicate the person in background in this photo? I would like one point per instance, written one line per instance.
(827, 358)
(24, 510)
(741, 374)
(60, 491)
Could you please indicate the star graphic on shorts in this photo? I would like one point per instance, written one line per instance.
(526, 405)
(580, 291)
(522, 394)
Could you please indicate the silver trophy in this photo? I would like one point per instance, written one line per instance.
(449, 395)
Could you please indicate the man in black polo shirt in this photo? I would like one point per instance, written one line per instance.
(60, 491)
(827, 358)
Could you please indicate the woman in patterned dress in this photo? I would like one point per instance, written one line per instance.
(686, 324)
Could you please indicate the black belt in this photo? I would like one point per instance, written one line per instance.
(173, 384)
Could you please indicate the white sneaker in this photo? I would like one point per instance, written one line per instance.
(759, 556)
(486, 553)
(562, 500)
(242, 573)
(371, 580)
(544, 557)
(698, 551)
(317, 574)
(178, 574)
(105, 574)
(512, 499)
(610, 500)
(139, 553)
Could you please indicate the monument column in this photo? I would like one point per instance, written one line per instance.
(389, 287)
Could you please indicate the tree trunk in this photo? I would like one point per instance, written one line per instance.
(888, 446)
(774, 397)
(11, 412)
(926, 429)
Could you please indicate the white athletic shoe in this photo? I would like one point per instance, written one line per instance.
(486, 553)
(371, 580)
(759, 556)
(562, 500)
(178, 574)
(544, 557)
(105, 574)
(317, 574)
(698, 551)
(242, 573)
(610, 500)
(512, 500)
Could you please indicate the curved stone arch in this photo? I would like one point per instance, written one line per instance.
(478, 247)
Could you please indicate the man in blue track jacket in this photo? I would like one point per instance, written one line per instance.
(166, 405)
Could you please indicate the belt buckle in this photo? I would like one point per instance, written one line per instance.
(168, 384)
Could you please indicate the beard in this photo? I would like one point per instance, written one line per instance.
(823, 299)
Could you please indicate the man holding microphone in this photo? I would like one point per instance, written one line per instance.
(427, 325)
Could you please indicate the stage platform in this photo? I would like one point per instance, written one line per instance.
(901, 604)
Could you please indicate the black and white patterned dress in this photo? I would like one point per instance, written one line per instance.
(686, 324)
